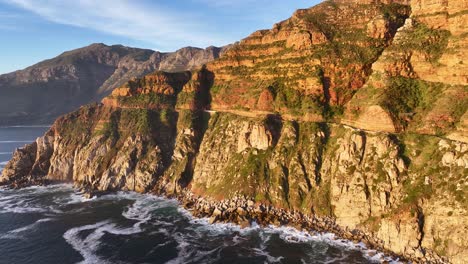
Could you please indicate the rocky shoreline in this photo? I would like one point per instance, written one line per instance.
(244, 212)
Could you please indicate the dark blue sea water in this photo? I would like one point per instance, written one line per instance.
(55, 224)
(17, 136)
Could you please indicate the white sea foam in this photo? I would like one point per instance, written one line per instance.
(187, 252)
(18, 233)
(37, 189)
(74, 198)
(29, 227)
(19, 207)
(88, 246)
(25, 200)
(145, 205)
(184, 250)
(201, 255)
(3, 163)
(142, 211)
(264, 253)
(292, 235)
(287, 234)
(5, 153)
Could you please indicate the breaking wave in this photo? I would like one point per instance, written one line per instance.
(92, 226)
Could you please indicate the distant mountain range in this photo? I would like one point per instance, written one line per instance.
(44, 91)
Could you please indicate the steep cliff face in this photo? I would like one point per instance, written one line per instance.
(419, 83)
(44, 91)
(311, 63)
(258, 134)
(351, 61)
(377, 183)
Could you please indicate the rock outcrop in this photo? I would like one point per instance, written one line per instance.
(310, 63)
(421, 79)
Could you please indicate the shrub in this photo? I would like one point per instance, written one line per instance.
(431, 42)
(401, 97)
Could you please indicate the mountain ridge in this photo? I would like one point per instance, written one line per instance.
(42, 92)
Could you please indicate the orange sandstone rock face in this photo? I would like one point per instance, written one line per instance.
(121, 91)
(156, 90)
(266, 100)
(374, 118)
(368, 2)
(318, 58)
(445, 14)
(367, 57)
(427, 60)
(377, 28)
(461, 131)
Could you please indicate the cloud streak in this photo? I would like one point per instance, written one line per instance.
(156, 25)
(161, 25)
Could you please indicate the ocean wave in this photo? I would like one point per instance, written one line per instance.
(26, 200)
(5, 153)
(88, 246)
(144, 206)
(144, 215)
(15, 233)
(3, 163)
(288, 234)
(41, 189)
(292, 235)
(74, 198)
(264, 253)
(187, 252)
(204, 225)
(139, 211)
(30, 227)
(18, 206)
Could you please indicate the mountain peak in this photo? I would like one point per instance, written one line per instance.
(55, 86)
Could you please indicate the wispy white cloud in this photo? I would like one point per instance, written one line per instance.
(8, 15)
(156, 25)
(164, 25)
(7, 21)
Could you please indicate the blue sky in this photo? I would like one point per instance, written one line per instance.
(34, 30)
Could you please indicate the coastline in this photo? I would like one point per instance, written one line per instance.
(243, 212)
(296, 226)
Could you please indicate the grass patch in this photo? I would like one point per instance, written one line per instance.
(432, 42)
(148, 100)
(402, 97)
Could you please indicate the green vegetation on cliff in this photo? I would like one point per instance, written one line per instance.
(421, 38)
